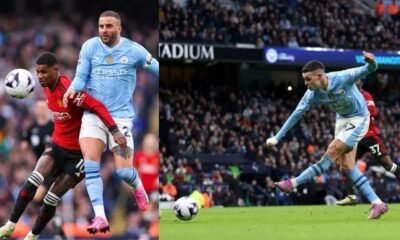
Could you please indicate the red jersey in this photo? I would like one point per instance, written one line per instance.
(147, 166)
(373, 130)
(67, 121)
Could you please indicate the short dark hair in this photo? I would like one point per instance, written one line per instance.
(110, 14)
(312, 66)
(47, 58)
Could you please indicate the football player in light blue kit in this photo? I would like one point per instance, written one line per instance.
(337, 91)
(107, 69)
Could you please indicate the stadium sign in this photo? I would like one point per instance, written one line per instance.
(332, 57)
(186, 51)
(207, 53)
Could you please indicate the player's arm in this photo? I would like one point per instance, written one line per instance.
(82, 69)
(151, 66)
(147, 61)
(370, 104)
(81, 75)
(303, 106)
(354, 74)
(87, 102)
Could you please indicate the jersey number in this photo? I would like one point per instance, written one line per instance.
(375, 150)
(79, 166)
(349, 126)
(126, 131)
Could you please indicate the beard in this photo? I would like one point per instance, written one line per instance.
(110, 39)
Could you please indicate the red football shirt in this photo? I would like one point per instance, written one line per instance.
(373, 112)
(147, 166)
(67, 121)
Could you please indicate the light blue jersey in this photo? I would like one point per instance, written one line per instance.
(109, 73)
(341, 96)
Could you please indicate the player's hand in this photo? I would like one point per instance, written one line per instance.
(271, 142)
(120, 139)
(69, 94)
(368, 57)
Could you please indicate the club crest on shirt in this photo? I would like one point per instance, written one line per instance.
(59, 103)
(331, 96)
(109, 59)
(79, 99)
(340, 92)
(124, 59)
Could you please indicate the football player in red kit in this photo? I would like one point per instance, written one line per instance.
(62, 157)
(371, 143)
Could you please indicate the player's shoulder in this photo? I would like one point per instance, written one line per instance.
(64, 81)
(91, 42)
(333, 75)
(310, 93)
(131, 44)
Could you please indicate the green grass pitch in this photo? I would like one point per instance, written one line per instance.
(283, 222)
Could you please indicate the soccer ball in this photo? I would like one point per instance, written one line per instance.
(19, 83)
(185, 208)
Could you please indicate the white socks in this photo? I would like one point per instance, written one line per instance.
(99, 211)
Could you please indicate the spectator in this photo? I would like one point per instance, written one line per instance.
(311, 23)
(380, 8)
(393, 9)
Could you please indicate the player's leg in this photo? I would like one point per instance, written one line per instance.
(356, 128)
(362, 185)
(389, 165)
(124, 163)
(335, 149)
(351, 197)
(92, 139)
(378, 150)
(51, 200)
(39, 196)
(44, 168)
(40, 193)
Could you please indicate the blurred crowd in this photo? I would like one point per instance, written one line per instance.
(209, 126)
(285, 23)
(29, 28)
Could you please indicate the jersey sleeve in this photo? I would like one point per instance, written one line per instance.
(83, 68)
(351, 75)
(303, 106)
(146, 61)
(87, 102)
(370, 104)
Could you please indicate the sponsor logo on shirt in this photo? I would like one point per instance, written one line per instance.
(109, 73)
(61, 116)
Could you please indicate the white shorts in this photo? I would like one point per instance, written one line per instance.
(351, 130)
(93, 127)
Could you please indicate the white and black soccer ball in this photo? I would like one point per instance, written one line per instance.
(185, 208)
(19, 83)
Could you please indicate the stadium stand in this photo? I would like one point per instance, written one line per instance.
(288, 23)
